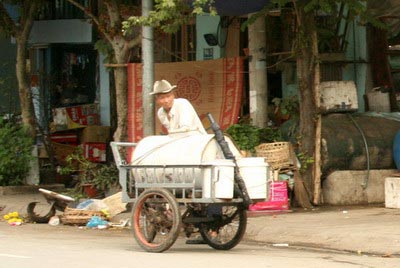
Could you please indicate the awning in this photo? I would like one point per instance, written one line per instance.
(239, 7)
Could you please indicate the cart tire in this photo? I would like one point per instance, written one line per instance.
(156, 220)
(226, 233)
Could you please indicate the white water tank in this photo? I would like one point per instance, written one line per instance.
(166, 150)
(170, 150)
(216, 181)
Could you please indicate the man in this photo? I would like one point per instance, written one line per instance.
(177, 115)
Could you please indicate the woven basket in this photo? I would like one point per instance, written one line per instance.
(75, 216)
(276, 154)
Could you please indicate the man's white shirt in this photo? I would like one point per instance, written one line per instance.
(182, 117)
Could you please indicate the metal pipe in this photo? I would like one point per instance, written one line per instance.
(365, 183)
(148, 72)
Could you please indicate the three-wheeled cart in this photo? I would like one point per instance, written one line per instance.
(171, 198)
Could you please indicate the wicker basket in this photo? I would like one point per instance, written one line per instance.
(75, 216)
(276, 154)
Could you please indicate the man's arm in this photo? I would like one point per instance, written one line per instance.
(188, 118)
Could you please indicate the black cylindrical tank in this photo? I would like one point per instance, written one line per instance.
(343, 146)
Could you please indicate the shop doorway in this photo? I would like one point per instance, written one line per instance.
(74, 72)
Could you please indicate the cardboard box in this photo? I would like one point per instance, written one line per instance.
(75, 117)
(278, 198)
(68, 137)
(95, 152)
(61, 151)
(98, 134)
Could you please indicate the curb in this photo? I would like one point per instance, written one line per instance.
(30, 189)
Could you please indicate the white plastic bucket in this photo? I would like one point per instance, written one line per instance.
(218, 179)
(254, 172)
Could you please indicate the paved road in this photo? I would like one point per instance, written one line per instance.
(43, 246)
(365, 229)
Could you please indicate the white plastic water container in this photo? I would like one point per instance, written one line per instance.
(254, 172)
(218, 179)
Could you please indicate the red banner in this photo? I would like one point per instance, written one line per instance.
(212, 86)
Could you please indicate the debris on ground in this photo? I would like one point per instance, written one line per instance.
(54, 221)
(36, 218)
(13, 218)
(97, 222)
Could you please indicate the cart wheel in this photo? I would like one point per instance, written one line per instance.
(156, 220)
(228, 228)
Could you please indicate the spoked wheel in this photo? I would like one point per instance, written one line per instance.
(228, 228)
(156, 220)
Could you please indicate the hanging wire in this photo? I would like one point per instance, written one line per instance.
(365, 183)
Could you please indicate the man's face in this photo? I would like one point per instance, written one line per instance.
(165, 100)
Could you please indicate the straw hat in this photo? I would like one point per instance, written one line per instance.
(162, 86)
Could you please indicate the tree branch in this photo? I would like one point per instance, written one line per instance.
(296, 11)
(113, 13)
(135, 41)
(32, 9)
(7, 20)
(94, 19)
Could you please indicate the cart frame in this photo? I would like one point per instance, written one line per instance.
(171, 178)
(168, 197)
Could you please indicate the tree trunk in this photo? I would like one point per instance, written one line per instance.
(121, 89)
(24, 90)
(308, 80)
(258, 73)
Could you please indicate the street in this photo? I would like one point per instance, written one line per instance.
(42, 246)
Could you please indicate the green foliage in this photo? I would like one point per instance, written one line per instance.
(169, 15)
(247, 136)
(102, 176)
(305, 161)
(106, 177)
(15, 153)
(288, 105)
(105, 49)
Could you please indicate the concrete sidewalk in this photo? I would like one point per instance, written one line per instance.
(363, 230)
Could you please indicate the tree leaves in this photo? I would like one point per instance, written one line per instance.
(169, 15)
(15, 153)
(247, 136)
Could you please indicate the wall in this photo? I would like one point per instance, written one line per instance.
(357, 51)
(61, 31)
(358, 71)
(355, 187)
(207, 24)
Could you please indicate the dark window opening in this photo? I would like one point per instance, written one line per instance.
(74, 75)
